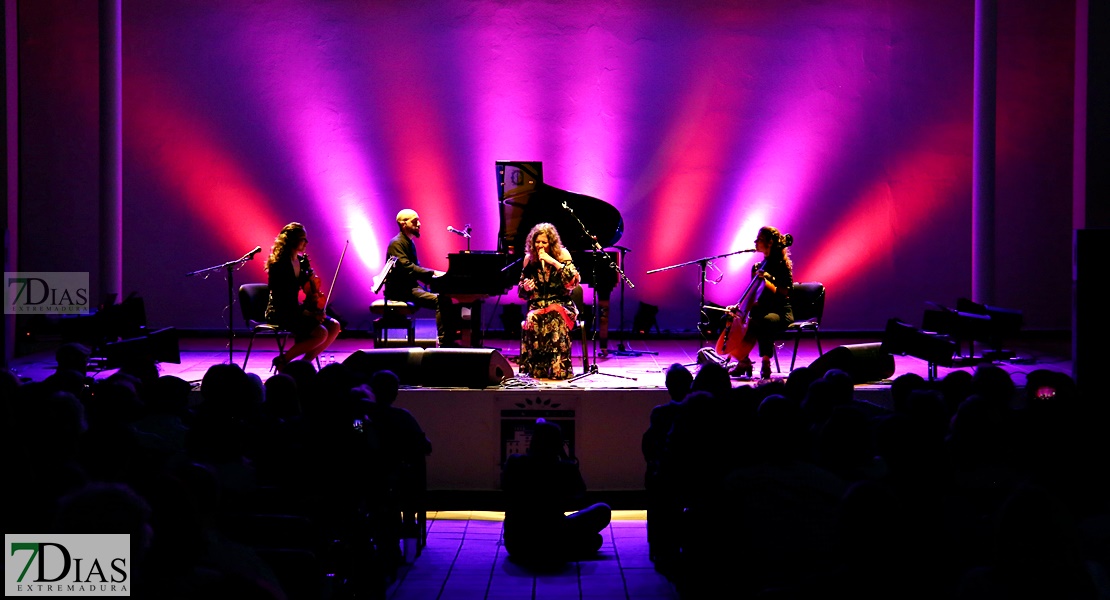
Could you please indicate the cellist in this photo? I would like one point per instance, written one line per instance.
(290, 275)
(765, 311)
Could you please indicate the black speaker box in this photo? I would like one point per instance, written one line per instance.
(160, 346)
(464, 367)
(864, 362)
(435, 367)
(404, 362)
(1090, 353)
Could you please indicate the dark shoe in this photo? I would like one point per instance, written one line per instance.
(764, 370)
(742, 369)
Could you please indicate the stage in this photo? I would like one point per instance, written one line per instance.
(604, 413)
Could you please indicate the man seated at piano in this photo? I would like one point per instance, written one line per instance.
(404, 279)
(546, 280)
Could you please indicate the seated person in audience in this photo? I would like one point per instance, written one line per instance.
(540, 486)
(664, 511)
(404, 446)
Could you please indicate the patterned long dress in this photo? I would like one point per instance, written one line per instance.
(545, 342)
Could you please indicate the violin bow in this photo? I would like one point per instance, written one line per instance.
(332, 288)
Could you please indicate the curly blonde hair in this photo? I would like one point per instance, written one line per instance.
(285, 242)
(554, 243)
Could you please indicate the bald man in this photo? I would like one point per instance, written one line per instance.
(403, 281)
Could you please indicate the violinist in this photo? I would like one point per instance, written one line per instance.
(291, 275)
(767, 306)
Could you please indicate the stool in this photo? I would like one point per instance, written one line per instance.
(395, 314)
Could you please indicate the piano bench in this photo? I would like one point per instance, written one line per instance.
(394, 315)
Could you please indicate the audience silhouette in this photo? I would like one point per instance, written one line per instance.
(969, 487)
(961, 488)
(540, 486)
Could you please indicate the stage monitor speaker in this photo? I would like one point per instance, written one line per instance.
(864, 362)
(158, 346)
(464, 367)
(404, 362)
(1089, 330)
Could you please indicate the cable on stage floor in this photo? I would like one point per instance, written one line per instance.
(519, 382)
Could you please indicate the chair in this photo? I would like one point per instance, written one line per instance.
(807, 300)
(394, 314)
(577, 295)
(253, 298)
(411, 492)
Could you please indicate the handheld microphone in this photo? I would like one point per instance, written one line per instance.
(567, 207)
(457, 232)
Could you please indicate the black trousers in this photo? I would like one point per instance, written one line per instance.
(443, 307)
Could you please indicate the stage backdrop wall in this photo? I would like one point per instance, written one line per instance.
(847, 124)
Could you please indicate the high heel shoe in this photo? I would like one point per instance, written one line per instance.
(765, 369)
(742, 369)
(279, 363)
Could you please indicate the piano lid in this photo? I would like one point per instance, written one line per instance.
(544, 204)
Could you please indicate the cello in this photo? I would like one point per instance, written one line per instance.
(731, 342)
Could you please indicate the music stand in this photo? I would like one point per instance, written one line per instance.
(230, 266)
(621, 350)
(703, 262)
(591, 368)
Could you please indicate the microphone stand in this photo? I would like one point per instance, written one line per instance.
(703, 323)
(621, 349)
(464, 232)
(231, 266)
(588, 367)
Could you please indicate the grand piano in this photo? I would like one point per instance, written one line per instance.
(525, 201)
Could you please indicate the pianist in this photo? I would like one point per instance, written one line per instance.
(403, 281)
(546, 281)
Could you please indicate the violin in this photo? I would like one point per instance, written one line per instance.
(315, 302)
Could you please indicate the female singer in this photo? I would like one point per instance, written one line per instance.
(771, 312)
(290, 273)
(546, 281)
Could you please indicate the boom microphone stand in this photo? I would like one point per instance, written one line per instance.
(702, 308)
(621, 350)
(591, 368)
(230, 266)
